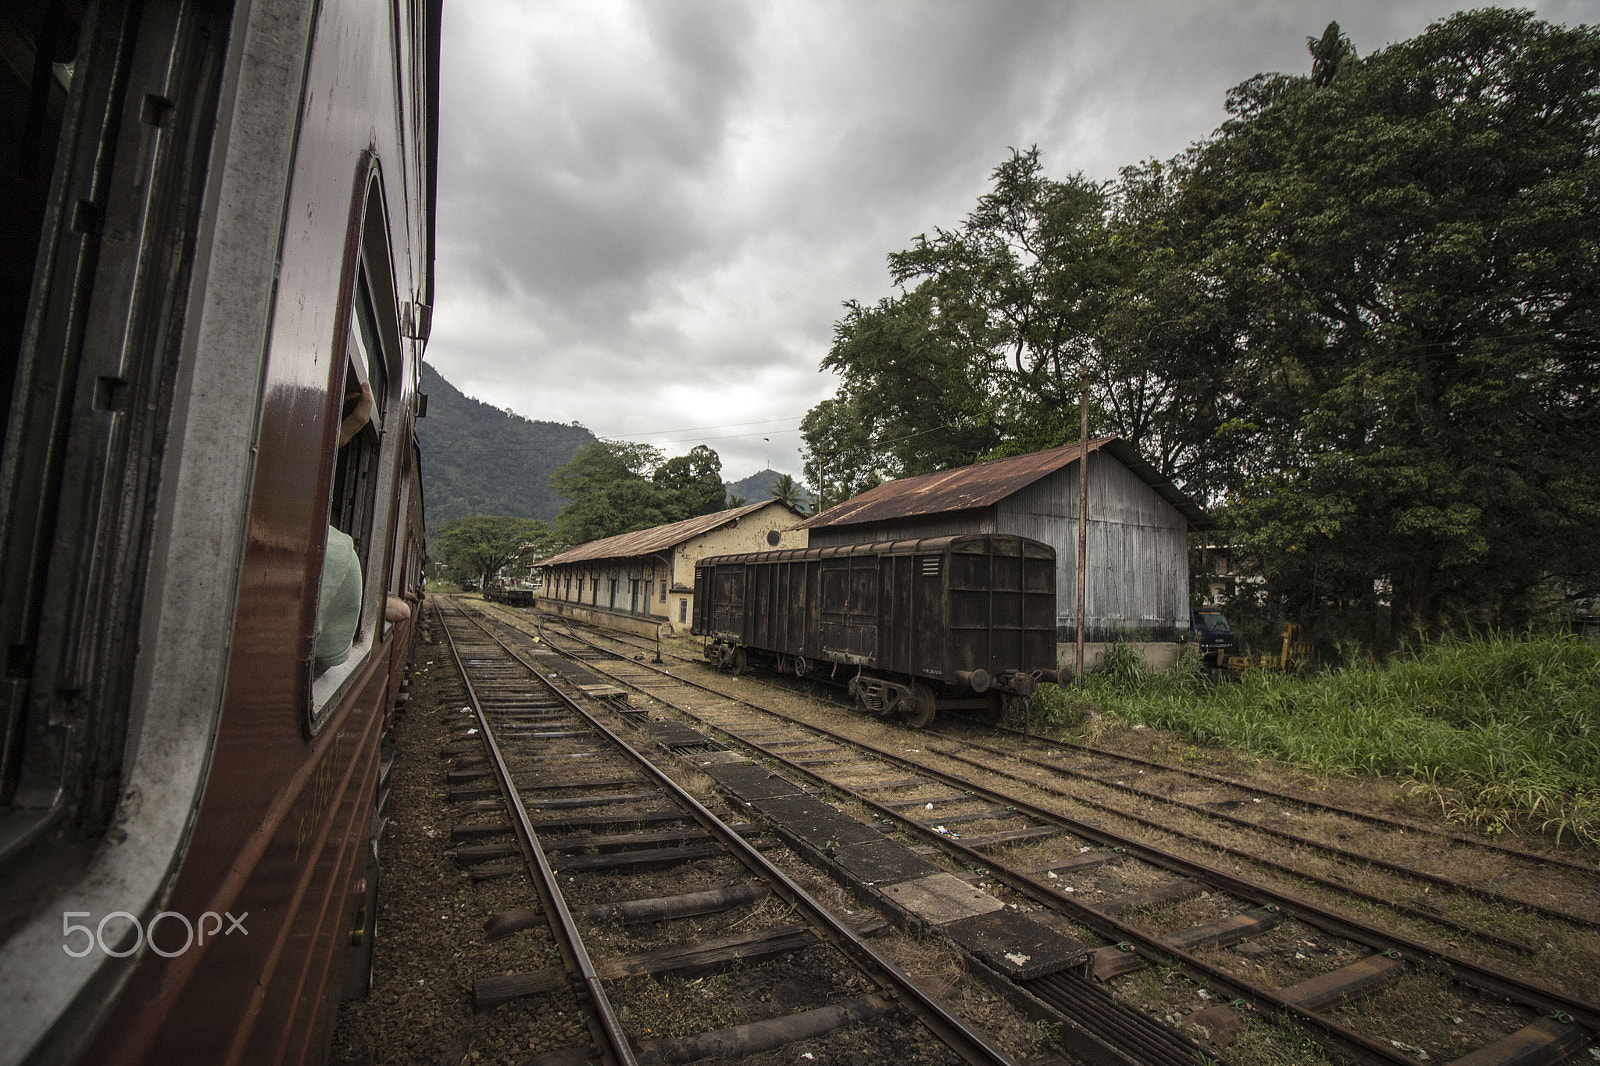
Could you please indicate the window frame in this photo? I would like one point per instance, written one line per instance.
(368, 269)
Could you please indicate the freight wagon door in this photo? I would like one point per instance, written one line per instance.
(727, 610)
(986, 605)
(850, 609)
(929, 625)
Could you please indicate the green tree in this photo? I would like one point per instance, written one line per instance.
(479, 546)
(981, 351)
(1400, 258)
(618, 487)
(609, 484)
(690, 485)
(789, 492)
(841, 457)
(1332, 56)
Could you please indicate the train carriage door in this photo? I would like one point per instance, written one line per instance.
(727, 601)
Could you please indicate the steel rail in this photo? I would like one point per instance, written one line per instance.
(1263, 790)
(1484, 978)
(1118, 932)
(955, 1033)
(1289, 797)
(565, 928)
(1397, 868)
(1486, 895)
(1248, 856)
(1417, 913)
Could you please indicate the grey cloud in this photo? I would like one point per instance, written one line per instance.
(652, 210)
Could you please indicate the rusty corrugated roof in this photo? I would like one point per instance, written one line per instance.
(656, 538)
(981, 485)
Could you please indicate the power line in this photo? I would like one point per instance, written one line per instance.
(729, 436)
(696, 429)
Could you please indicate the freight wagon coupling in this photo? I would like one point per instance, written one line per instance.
(913, 627)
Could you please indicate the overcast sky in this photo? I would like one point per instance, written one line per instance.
(651, 211)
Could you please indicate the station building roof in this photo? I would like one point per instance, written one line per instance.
(659, 538)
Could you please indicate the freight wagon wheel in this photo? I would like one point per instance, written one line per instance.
(921, 710)
(737, 662)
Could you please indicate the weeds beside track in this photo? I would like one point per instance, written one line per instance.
(1499, 731)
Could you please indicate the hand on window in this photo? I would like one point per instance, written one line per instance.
(395, 609)
(357, 418)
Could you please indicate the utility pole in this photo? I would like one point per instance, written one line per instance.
(822, 477)
(1083, 515)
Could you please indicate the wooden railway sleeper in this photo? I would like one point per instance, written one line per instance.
(965, 1042)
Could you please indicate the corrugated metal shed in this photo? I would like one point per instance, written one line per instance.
(986, 484)
(654, 539)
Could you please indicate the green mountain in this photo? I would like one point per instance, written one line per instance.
(758, 487)
(480, 460)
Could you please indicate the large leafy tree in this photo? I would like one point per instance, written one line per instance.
(691, 485)
(981, 351)
(619, 487)
(609, 484)
(479, 546)
(1401, 253)
(1361, 318)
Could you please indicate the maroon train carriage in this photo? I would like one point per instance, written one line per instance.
(220, 227)
(911, 626)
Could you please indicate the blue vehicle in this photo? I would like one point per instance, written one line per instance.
(1213, 636)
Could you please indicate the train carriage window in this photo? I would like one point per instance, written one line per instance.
(355, 471)
(358, 570)
(341, 621)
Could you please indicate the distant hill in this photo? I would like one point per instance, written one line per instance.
(480, 460)
(758, 486)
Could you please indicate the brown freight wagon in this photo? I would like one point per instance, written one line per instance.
(911, 626)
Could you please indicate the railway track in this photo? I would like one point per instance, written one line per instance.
(661, 911)
(1359, 840)
(1259, 949)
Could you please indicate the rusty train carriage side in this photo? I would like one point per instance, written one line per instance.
(229, 179)
(911, 626)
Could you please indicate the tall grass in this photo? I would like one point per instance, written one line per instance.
(1500, 731)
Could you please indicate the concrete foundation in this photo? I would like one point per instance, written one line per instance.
(1159, 655)
(640, 625)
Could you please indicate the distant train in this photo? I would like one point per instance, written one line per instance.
(219, 239)
(911, 627)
